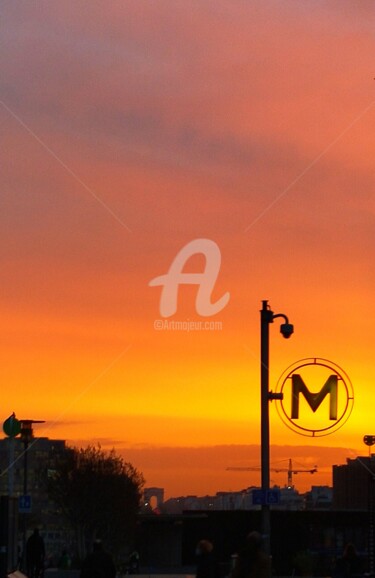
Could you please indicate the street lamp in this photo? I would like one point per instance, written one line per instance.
(369, 440)
(26, 437)
(266, 317)
(11, 428)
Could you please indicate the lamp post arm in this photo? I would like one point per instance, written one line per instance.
(280, 315)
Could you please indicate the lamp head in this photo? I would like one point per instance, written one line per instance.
(369, 440)
(286, 330)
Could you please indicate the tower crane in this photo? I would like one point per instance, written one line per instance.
(290, 470)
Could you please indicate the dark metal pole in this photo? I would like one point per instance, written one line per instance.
(25, 465)
(27, 437)
(372, 522)
(24, 520)
(266, 316)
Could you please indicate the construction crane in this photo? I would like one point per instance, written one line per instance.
(290, 471)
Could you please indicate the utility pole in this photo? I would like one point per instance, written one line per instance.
(266, 317)
(27, 435)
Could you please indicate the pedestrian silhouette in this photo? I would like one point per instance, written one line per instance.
(349, 565)
(35, 553)
(252, 561)
(98, 564)
(133, 562)
(65, 561)
(207, 566)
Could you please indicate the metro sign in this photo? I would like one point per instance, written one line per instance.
(317, 397)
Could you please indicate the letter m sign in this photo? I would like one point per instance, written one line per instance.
(314, 399)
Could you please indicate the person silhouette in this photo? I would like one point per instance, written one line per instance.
(35, 553)
(98, 564)
(252, 561)
(349, 564)
(207, 566)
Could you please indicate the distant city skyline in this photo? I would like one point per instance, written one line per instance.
(202, 471)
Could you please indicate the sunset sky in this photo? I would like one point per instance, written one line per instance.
(130, 129)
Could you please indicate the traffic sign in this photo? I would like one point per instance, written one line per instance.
(261, 497)
(24, 504)
(273, 497)
(258, 497)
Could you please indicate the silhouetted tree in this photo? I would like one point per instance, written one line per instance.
(99, 494)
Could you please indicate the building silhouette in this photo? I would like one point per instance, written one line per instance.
(353, 484)
(42, 454)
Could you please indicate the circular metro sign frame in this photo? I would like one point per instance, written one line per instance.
(286, 379)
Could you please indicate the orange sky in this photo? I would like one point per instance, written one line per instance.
(135, 127)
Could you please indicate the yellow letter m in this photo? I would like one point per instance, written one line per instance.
(314, 399)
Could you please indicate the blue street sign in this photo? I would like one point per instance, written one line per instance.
(269, 497)
(24, 504)
(258, 497)
(273, 497)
